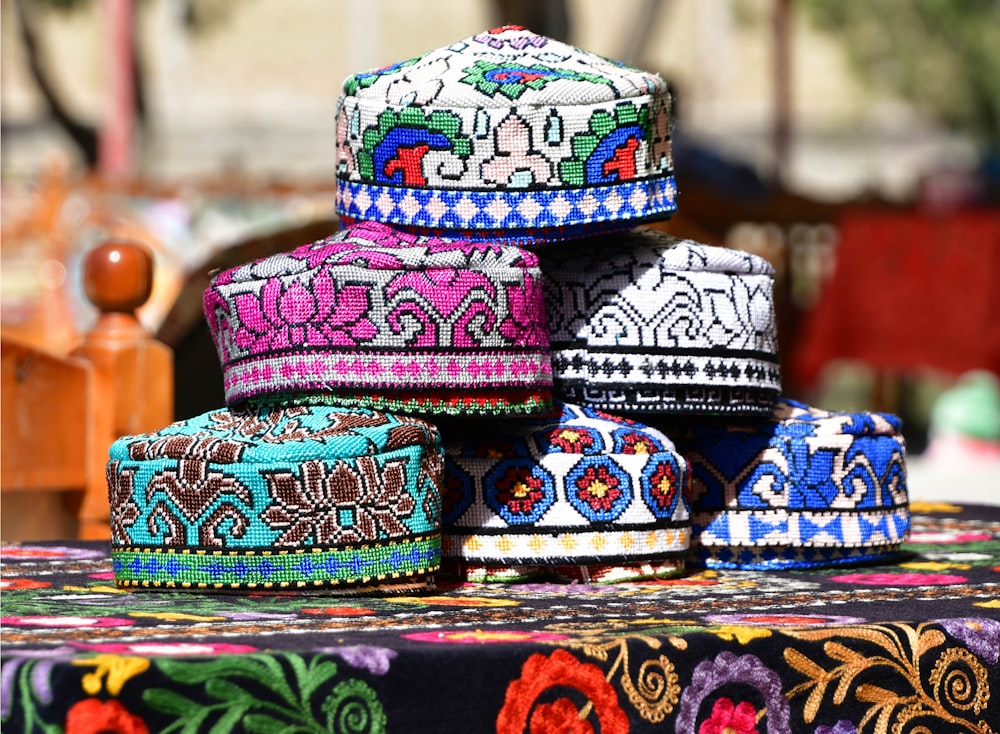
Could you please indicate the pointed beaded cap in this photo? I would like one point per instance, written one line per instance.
(505, 135)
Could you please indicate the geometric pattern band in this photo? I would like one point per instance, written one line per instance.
(682, 367)
(675, 399)
(576, 547)
(268, 568)
(510, 214)
(321, 368)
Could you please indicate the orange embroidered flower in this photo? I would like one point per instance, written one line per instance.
(560, 670)
(94, 716)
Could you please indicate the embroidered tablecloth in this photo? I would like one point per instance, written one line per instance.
(908, 646)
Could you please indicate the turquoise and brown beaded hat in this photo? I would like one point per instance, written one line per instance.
(802, 488)
(506, 135)
(300, 497)
(577, 495)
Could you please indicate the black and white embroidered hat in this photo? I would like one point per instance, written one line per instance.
(641, 321)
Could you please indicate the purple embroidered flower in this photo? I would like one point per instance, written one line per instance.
(39, 666)
(373, 659)
(295, 315)
(841, 727)
(980, 635)
(727, 667)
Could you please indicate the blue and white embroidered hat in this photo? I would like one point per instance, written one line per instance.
(641, 321)
(506, 135)
(804, 488)
(575, 495)
(300, 497)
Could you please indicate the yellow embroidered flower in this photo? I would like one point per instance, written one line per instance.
(176, 616)
(741, 634)
(934, 565)
(925, 508)
(113, 670)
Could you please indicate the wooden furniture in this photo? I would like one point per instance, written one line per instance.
(60, 413)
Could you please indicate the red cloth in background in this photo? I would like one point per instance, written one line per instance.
(910, 289)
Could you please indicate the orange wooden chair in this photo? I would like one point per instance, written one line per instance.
(60, 413)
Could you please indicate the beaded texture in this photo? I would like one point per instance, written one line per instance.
(578, 494)
(269, 499)
(371, 311)
(641, 321)
(804, 488)
(506, 135)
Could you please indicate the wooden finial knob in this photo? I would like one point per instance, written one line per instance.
(118, 276)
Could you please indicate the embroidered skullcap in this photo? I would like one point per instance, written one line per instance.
(805, 487)
(575, 495)
(505, 135)
(644, 322)
(373, 317)
(289, 498)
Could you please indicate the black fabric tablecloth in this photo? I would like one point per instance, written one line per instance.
(907, 646)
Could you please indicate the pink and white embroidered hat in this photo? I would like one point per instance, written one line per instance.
(505, 135)
(372, 317)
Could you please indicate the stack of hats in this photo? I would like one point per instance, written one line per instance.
(490, 373)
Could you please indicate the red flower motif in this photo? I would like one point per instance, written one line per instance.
(729, 718)
(636, 443)
(94, 716)
(560, 716)
(663, 485)
(571, 440)
(519, 490)
(598, 488)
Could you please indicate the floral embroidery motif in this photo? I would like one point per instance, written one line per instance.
(295, 315)
(520, 492)
(517, 163)
(512, 80)
(324, 505)
(881, 665)
(599, 489)
(727, 668)
(661, 487)
(561, 670)
(92, 715)
(611, 148)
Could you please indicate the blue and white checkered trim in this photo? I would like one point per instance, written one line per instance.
(513, 214)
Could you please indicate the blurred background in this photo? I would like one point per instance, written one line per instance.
(854, 145)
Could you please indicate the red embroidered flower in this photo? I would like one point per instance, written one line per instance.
(94, 716)
(561, 716)
(729, 718)
(571, 440)
(519, 490)
(636, 443)
(598, 488)
(663, 485)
